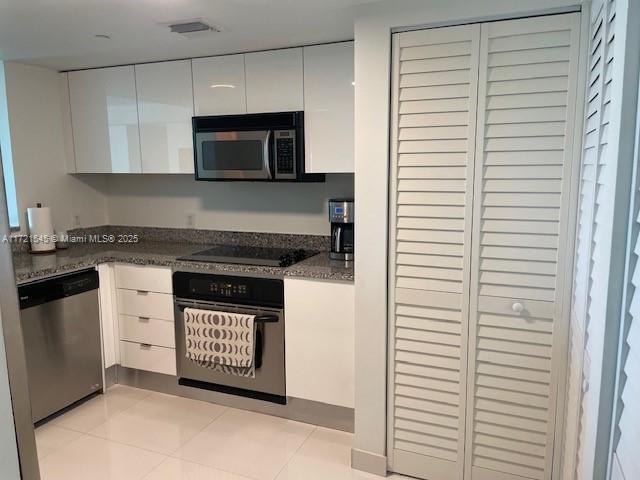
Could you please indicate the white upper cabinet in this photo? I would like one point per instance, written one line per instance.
(219, 85)
(165, 108)
(137, 119)
(105, 120)
(274, 81)
(328, 108)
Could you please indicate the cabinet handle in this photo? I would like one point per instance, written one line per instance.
(145, 346)
(143, 319)
(142, 292)
(517, 307)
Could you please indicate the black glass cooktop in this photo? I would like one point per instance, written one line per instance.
(266, 256)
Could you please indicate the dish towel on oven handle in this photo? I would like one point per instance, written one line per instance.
(221, 341)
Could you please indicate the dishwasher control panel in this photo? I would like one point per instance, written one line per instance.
(50, 289)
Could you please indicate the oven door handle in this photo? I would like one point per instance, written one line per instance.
(257, 319)
(266, 319)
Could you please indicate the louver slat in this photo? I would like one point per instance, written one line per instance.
(578, 460)
(432, 176)
(522, 170)
(626, 451)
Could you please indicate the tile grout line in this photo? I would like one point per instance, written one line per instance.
(173, 454)
(227, 410)
(313, 430)
(215, 419)
(54, 421)
(54, 450)
(166, 455)
(130, 445)
(239, 475)
(119, 412)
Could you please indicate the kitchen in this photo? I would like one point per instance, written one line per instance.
(134, 305)
(189, 292)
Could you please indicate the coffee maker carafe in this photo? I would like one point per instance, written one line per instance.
(341, 216)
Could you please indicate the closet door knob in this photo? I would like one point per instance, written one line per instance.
(517, 307)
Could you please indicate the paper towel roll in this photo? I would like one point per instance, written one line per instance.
(41, 229)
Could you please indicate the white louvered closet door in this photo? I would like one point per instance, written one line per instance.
(518, 322)
(433, 137)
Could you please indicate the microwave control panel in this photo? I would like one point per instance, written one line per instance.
(285, 154)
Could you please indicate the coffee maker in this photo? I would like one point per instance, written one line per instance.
(341, 215)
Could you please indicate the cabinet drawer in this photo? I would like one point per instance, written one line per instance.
(148, 357)
(145, 304)
(151, 279)
(147, 330)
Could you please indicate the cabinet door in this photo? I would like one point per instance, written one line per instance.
(519, 311)
(274, 81)
(319, 331)
(433, 135)
(328, 108)
(165, 108)
(219, 85)
(104, 117)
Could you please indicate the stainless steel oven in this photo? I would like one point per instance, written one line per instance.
(256, 147)
(262, 297)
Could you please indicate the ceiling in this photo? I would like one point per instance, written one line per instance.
(60, 34)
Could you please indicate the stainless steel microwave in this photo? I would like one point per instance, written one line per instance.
(254, 147)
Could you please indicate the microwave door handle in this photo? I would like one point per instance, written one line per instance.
(265, 154)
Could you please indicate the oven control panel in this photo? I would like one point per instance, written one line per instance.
(266, 292)
(219, 288)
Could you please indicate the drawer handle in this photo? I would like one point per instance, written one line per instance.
(145, 346)
(144, 319)
(142, 292)
(517, 307)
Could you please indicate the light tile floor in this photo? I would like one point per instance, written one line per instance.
(132, 434)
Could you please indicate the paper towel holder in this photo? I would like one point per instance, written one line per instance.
(41, 229)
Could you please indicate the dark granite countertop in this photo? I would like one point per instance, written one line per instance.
(29, 267)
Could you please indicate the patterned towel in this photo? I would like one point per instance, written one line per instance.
(221, 341)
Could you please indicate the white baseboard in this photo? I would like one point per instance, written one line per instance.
(369, 462)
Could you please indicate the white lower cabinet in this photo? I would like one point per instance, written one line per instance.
(152, 358)
(150, 279)
(147, 330)
(319, 341)
(141, 303)
(144, 318)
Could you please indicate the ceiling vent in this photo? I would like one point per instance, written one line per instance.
(191, 27)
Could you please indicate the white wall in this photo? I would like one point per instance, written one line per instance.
(9, 468)
(373, 27)
(39, 155)
(168, 200)
(35, 106)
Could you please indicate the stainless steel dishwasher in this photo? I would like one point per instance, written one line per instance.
(61, 328)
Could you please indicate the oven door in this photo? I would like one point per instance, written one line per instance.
(233, 155)
(269, 381)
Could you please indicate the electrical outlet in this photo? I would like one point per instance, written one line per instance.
(191, 220)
